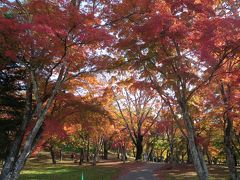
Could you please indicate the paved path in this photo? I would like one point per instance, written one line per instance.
(142, 173)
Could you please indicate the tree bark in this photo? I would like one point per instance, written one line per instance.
(189, 156)
(123, 154)
(133, 151)
(228, 146)
(52, 154)
(230, 155)
(105, 149)
(209, 158)
(88, 148)
(118, 153)
(81, 157)
(150, 154)
(95, 155)
(171, 153)
(31, 139)
(197, 157)
(139, 148)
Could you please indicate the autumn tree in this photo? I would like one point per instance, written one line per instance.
(178, 46)
(137, 109)
(54, 41)
(222, 102)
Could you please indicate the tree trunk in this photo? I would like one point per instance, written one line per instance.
(88, 147)
(150, 154)
(182, 158)
(133, 151)
(95, 155)
(189, 156)
(52, 154)
(105, 149)
(30, 140)
(230, 155)
(123, 154)
(228, 146)
(61, 155)
(139, 148)
(81, 156)
(208, 157)
(197, 157)
(118, 153)
(171, 153)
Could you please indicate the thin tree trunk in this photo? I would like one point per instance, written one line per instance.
(230, 151)
(133, 151)
(150, 154)
(88, 148)
(171, 155)
(118, 153)
(61, 155)
(105, 149)
(208, 157)
(123, 154)
(95, 156)
(81, 156)
(139, 148)
(189, 156)
(52, 154)
(228, 146)
(197, 157)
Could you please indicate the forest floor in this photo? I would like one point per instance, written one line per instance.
(116, 170)
(41, 168)
(185, 172)
(113, 169)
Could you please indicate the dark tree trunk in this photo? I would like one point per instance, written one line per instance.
(105, 149)
(230, 155)
(81, 156)
(150, 154)
(52, 154)
(171, 153)
(133, 151)
(95, 155)
(231, 163)
(139, 148)
(182, 158)
(208, 157)
(88, 149)
(189, 156)
(118, 153)
(123, 154)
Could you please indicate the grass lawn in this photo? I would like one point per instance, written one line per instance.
(67, 172)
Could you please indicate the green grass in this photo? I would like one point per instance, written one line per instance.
(62, 172)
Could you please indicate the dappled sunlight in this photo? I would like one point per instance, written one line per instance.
(59, 172)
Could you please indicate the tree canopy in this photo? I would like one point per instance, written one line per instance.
(141, 77)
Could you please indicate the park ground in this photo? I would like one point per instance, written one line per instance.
(113, 169)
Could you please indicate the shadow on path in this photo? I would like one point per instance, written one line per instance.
(143, 173)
